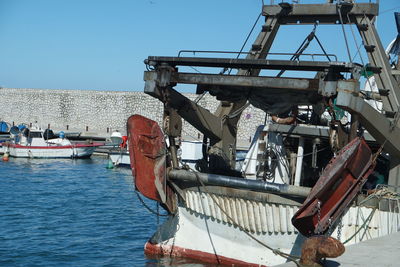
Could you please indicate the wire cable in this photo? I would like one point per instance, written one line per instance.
(247, 38)
(362, 62)
(339, 7)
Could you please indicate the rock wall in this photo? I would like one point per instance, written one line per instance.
(95, 111)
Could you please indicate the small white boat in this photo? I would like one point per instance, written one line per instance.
(36, 143)
(120, 158)
(190, 151)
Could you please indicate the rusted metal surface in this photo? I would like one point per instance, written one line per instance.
(147, 153)
(317, 248)
(338, 185)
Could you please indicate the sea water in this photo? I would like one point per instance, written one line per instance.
(63, 212)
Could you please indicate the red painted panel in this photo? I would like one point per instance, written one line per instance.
(338, 185)
(147, 154)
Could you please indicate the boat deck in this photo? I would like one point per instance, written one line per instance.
(383, 251)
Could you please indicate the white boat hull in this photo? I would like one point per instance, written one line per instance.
(191, 152)
(73, 151)
(120, 159)
(202, 231)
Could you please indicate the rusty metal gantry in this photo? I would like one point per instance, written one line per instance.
(274, 94)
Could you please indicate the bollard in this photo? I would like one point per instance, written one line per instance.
(67, 126)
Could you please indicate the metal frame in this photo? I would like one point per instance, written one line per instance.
(221, 127)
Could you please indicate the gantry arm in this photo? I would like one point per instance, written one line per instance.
(374, 122)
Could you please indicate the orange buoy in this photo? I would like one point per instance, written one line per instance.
(5, 157)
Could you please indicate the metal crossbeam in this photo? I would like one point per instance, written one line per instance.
(321, 13)
(253, 63)
(236, 81)
(201, 118)
(306, 130)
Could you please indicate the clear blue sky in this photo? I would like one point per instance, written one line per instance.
(101, 44)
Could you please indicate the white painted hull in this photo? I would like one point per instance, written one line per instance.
(51, 152)
(191, 152)
(203, 231)
(121, 159)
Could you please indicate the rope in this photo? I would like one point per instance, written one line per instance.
(238, 111)
(363, 226)
(380, 194)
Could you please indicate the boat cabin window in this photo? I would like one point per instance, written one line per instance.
(35, 135)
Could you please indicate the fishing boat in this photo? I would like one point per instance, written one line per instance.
(190, 151)
(37, 143)
(308, 172)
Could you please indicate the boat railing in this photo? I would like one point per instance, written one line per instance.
(276, 2)
(311, 55)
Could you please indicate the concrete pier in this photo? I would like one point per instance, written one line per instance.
(382, 252)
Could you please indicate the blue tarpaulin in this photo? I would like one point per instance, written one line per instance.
(395, 50)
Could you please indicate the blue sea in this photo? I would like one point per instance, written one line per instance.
(63, 212)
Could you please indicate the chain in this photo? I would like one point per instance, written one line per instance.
(319, 217)
(339, 229)
(174, 238)
(330, 228)
(148, 208)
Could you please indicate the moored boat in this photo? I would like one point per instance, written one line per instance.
(306, 173)
(119, 154)
(37, 143)
(190, 151)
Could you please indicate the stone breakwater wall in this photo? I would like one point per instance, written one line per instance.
(95, 111)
